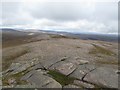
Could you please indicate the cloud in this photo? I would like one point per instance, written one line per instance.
(74, 16)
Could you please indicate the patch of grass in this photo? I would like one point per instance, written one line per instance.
(17, 78)
(61, 78)
(62, 36)
(78, 47)
(58, 36)
(107, 62)
(7, 60)
(101, 50)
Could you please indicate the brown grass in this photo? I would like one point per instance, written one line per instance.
(61, 36)
(8, 59)
(113, 62)
(100, 50)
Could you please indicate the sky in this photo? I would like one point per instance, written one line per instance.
(96, 16)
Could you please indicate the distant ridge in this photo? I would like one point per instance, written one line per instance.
(84, 36)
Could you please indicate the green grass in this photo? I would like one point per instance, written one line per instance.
(101, 50)
(17, 77)
(61, 78)
(7, 60)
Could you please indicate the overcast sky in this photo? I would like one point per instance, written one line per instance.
(74, 16)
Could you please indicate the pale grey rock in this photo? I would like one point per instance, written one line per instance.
(103, 76)
(37, 66)
(83, 84)
(28, 75)
(66, 68)
(79, 61)
(82, 70)
(21, 68)
(71, 86)
(39, 80)
(25, 86)
(14, 66)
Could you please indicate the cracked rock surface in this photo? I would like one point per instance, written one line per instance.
(61, 63)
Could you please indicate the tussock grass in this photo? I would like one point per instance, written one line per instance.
(17, 78)
(61, 78)
(100, 50)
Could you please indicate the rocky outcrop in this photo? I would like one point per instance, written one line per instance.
(104, 77)
(66, 68)
(61, 63)
(40, 80)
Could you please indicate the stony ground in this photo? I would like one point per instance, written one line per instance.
(60, 62)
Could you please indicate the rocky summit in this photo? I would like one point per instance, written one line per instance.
(54, 61)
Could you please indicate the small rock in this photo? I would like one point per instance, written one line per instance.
(78, 62)
(12, 82)
(118, 71)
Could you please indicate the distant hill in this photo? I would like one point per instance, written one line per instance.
(84, 36)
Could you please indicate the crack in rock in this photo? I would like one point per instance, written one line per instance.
(46, 84)
(87, 74)
(61, 60)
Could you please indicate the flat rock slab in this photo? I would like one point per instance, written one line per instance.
(14, 66)
(21, 68)
(39, 80)
(37, 66)
(66, 68)
(82, 70)
(103, 76)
